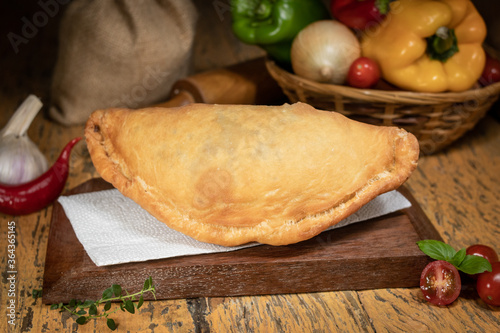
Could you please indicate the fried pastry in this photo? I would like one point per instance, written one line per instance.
(234, 174)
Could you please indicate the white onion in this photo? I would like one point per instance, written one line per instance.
(323, 51)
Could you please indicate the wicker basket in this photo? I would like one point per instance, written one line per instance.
(436, 119)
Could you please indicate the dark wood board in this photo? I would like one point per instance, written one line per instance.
(378, 253)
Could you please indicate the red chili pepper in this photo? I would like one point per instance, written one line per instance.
(359, 14)
(32, 196)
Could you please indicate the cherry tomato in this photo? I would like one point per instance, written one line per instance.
(440, 282)
(363, 73)
(488, 285)
(483, 251)
(491, 71)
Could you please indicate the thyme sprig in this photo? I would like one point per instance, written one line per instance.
(88, 310)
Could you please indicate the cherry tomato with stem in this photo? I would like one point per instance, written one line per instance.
(488, 285)
(440, 282)
(363, 73)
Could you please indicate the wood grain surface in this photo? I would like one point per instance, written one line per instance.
(458, 189)
(358, 256)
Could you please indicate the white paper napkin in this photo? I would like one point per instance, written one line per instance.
(113, 229)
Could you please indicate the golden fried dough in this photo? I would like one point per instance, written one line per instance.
(233, 174)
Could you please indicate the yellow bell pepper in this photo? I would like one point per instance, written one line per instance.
(416, 45)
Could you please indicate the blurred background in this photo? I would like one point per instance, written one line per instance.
(28, 66)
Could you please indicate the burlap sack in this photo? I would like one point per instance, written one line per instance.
(119, 53)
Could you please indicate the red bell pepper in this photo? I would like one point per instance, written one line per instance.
(359, 14)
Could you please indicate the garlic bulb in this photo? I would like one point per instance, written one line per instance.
(20, 159)
(323, 51)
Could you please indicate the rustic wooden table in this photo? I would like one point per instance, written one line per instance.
(458, 188)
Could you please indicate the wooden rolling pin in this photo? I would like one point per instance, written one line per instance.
(245, 83)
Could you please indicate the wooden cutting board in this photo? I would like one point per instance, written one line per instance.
(378, 253)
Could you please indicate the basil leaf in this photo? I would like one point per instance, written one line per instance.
(458, 258)
(436, 249)
(474, 265)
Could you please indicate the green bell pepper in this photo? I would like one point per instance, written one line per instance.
(273, 24)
